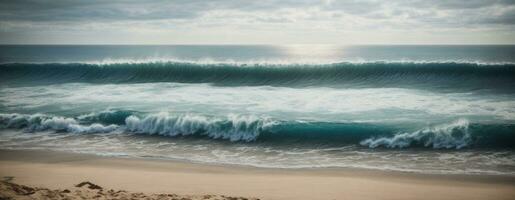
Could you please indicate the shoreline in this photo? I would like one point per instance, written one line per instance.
(59, 170)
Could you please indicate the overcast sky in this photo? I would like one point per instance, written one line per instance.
(257, 22)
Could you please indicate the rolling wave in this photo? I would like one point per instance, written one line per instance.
(40, 122)
(452, 135)
(233, 128)
(450, 75)
(237, 128)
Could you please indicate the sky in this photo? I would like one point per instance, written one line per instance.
(257, 22)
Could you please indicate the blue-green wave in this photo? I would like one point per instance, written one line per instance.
(444, 76)
(261, 130)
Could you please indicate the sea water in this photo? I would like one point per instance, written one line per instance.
(428, 109)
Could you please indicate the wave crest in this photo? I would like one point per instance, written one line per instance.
(40, 122)
(234, 128)
(452, 135)
(249, 128)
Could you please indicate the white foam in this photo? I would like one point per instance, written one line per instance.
(233, 128)
(40, 122)
(322, 104)
(452, 135)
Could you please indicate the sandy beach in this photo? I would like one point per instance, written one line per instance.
(62, 171)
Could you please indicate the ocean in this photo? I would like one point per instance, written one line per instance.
(444, 109)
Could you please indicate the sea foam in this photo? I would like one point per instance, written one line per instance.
(40, 122)
(234, 128)
(452, 135)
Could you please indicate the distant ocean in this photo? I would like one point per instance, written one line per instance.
(427, 109)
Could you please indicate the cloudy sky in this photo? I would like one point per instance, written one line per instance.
(257, 22)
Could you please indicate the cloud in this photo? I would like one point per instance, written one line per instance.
(267, 17)
(40, 10)
(117, 10)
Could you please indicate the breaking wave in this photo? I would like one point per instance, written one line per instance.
(259, 129)
(233, 128)
(40, 122)
(453, 135)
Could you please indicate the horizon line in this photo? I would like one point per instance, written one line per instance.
(254, 44)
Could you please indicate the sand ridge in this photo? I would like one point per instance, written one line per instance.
(88, 190)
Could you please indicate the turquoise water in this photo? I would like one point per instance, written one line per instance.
(428, 109)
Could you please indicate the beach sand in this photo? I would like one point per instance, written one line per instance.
(43, 171)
